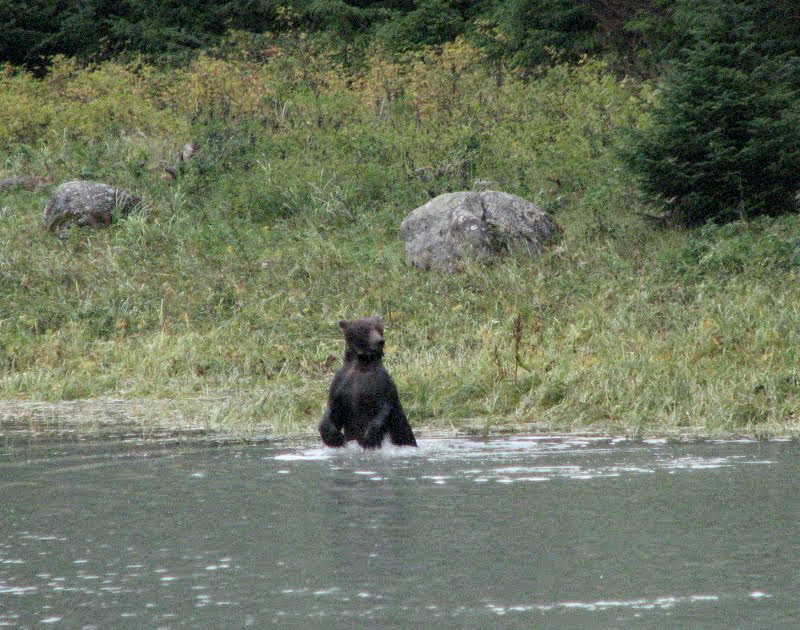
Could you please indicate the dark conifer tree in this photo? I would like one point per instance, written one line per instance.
(725, 138)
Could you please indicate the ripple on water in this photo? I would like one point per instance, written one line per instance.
(443, 448)
(644, 603)
(538, 453)
(402, 492)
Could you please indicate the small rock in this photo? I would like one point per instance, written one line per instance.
(479, 185)
(189, 150)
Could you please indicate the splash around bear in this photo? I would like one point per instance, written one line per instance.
(363, 404)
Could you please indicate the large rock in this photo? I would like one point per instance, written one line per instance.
(453, 228)
(86, 204)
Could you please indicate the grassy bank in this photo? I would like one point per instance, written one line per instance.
(227, 284)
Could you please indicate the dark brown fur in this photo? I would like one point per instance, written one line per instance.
(363, 404)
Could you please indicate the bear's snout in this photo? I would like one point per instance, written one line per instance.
(376, 339)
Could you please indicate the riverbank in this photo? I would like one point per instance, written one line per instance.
(204, 420)
(226, 285)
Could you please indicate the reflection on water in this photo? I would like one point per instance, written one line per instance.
(505, 532)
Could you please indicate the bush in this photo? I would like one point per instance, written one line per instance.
(725, 137)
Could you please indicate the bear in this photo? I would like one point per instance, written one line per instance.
(363, 403)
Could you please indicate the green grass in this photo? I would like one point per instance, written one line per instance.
(228, 283)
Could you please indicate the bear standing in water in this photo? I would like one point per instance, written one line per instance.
(363, 404)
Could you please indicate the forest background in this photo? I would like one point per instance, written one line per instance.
(663, 136)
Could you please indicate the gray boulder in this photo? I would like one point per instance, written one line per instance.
(86, 204)
(453, 228)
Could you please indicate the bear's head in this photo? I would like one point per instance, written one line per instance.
(363, 338)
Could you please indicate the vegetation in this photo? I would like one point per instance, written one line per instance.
(637, 34)
(725, 137)
(226, 285)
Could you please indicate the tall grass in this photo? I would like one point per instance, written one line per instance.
(228, 283)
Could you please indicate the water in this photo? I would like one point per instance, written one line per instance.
(511, 533)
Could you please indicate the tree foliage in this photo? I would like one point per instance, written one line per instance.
(520, 33)
(725, 136)
(529, 33)
(33, 31)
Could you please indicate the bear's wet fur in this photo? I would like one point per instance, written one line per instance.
(363, 404)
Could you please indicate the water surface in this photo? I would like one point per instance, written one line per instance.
(512, 533)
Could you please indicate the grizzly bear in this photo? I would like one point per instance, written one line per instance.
(363, 404)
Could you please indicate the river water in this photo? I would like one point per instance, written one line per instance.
(512, 533)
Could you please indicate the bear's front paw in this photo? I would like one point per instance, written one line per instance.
(372, 439)
(331, 436)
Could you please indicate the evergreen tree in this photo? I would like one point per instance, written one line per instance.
(529, 33)
(431, 22)
(725, 138)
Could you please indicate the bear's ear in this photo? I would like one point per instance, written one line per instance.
(343, 324)
(377, 319)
